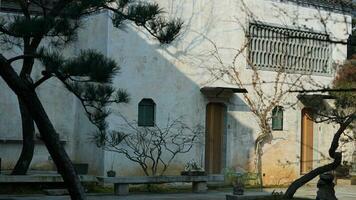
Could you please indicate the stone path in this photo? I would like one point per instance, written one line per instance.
(342, 192)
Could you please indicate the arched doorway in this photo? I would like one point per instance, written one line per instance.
(307, 139)
(214, 138)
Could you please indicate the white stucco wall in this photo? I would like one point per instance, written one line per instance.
(63, 109)
(172, 76)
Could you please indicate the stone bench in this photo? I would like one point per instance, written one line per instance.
(121, 184)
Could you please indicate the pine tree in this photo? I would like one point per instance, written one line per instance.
(88, 76)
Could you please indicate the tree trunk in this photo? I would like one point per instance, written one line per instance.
(312, 174)
(28, 142)
(25, 92)
(28, 129)
(337, 156)
(259, 165)
(262, 139)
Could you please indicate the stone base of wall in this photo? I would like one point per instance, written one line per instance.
(353, 179)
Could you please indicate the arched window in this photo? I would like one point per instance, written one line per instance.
(146, 112)
(277, 118)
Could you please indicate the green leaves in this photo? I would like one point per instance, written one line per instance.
(166, 31)
(58, 21)
(115, 138)
(89, 77)
(123, 3)
(138, 12)
(143, 12)
(346, 79)
(89, 66)
(122, 96)
(92, 65)
(93, 92)
(52, 61)
(24, 27)
(148, 16)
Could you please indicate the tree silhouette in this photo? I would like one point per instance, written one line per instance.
(37, 24)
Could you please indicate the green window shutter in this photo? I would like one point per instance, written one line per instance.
(146, 112)
(277, 118)
(150, 115)
(141, 114)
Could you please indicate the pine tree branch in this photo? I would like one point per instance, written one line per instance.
(42, 6)
(335, 142)
(81, 81)
(7, 32)
(22, 57)
(133, 19)
(27, 64)
(24, 7)
(337, 156)
(63, 80)
(56, 10)
(41, 80)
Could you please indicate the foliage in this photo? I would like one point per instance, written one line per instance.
(346, 79)
(192, 166)
(39, 31)
(340, 104)
(342, 111)
(242, 178)
(152, 148)
(88, 75)
(232, 177)
(352, 42)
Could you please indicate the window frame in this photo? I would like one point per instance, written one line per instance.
(278, 110)
(322, 66)
(146, 103)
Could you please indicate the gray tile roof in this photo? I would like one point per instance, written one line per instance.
(332, 5)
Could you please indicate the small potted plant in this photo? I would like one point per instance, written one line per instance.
(193, 169)
(238, 185)
(111, 172)
(236, 180)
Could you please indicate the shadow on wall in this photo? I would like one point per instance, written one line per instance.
(145, 73)
(148, 70)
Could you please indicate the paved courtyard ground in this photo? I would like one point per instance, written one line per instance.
(342, 192)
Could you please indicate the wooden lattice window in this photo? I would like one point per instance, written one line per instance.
(295, 51)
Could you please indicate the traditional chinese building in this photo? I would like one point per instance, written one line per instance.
(177, 81)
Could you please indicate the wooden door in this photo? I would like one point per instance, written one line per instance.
(214, 139)
(306, 162)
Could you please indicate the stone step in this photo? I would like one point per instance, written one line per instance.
(257, 196)
(343, 181)
(56, 192)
